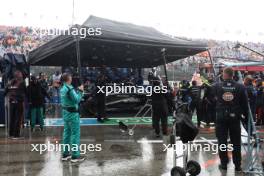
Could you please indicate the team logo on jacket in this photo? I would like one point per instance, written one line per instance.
(228, 96)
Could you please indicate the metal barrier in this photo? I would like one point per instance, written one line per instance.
(253, 158)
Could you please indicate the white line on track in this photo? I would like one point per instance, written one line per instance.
(201, 140)
(149, 141)
(208, 141)
(88, 140)
(120, 140)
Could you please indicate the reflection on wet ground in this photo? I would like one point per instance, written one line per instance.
(121, 155)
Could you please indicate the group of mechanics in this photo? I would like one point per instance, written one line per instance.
(227, 103)
(231, 104)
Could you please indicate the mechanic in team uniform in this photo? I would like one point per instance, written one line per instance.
(184, 91)
(195, 94)
(36, 98)
(159, 109)
(70, 99)
(209, 104)
(231, 104)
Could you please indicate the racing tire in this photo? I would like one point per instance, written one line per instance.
(193, 168)
(178, 171)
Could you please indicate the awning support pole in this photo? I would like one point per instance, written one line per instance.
(78, 57)
(163, 50)
(211, 60)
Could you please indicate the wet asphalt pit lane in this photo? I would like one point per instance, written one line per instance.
(100, 163)
(115, 148)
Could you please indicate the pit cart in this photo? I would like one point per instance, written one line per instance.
(141, 114)
(192, 167)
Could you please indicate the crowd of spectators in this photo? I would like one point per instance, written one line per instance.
(24, 39)
(21, 39)
(227, 49)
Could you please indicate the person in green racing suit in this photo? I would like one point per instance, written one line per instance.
(70, 99)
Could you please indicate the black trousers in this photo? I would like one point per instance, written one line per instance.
(210, 113)
(226, 125)
(16, 117)
(101, 107)
(197, 105)
(160, 113)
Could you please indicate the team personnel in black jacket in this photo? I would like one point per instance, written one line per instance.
(16, 92)
(231, 104)
(159, 109)
(195, 94)
(184, 91)
(209, 103)
(36, 97)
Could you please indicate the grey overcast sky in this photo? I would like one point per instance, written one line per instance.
(240, 20)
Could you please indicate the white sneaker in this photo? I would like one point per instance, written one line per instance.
(77, 160)
(66, 158)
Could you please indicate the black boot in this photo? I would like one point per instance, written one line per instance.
(238, 168)
(223, 166)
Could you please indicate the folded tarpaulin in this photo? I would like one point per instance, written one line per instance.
(119, 45)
